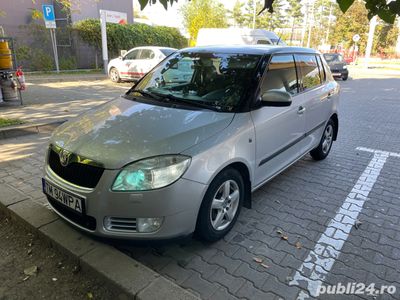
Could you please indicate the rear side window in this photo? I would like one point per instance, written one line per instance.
(281, 75)
(308, 66)
(147, 54)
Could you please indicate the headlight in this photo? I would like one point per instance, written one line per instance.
(345, 67)
(151, 173)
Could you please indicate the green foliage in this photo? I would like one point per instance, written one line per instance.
(68, 63)
(41, 61)
(8, 122)
(265, 20)
(203, 14)
(354, 21)
(128, 36)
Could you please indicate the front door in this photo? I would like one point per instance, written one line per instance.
(279, 130)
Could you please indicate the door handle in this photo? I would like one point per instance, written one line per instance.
(301, 110)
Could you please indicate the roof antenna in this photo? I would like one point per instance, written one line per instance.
(277, 43)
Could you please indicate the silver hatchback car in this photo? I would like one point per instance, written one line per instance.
(185, 147)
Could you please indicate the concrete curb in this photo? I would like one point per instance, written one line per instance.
(134, 280)
(25, 129)
(65, 78)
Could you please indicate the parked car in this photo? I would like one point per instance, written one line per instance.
(136, 62)
(172, 157)
(338, 65)
(237, 36)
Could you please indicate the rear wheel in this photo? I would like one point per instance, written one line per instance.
(221, 206)
(325, 145)
(114, 75)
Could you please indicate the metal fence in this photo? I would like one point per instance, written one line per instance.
(35, 53)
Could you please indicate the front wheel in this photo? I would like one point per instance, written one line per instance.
(345, 77)
(114, 75)
(221, 206)
(325, 145)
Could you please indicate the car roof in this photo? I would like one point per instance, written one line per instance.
(250, 49)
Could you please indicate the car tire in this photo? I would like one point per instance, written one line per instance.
(221, 206)
(114, 75)
(325, 144)
(345, 77)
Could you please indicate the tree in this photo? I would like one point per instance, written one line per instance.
(264, 20)
(355, 21)
(386, 10)
(237, 14)
(203, 14)
(295, 13)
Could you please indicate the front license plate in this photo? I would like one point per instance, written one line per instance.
(69, 200)
(336, 74)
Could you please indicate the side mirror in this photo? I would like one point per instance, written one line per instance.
(276, 98)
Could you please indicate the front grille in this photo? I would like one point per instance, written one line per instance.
(120, 224)
(77, 173)
(85, 221)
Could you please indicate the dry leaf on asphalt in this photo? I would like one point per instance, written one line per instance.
(265, 266)
(257, 260)
(89, 295)
(298, 245)
(284, 237)
(357, 224)
(31, 271)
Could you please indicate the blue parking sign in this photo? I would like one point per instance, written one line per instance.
(49, 16)
(48, 13)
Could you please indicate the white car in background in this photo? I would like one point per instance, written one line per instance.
(136, 62)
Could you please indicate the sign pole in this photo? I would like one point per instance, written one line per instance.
(103, 23)
(55, 51)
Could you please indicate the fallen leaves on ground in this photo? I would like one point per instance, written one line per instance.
(258, 260)
(31, 271)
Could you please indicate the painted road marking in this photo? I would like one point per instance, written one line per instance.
(321, 259)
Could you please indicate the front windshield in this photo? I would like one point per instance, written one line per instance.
(213, 80)
(333, 58)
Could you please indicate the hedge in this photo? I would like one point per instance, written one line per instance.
(128, 36)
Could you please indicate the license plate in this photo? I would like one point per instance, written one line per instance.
(336, 74)
(67, 199)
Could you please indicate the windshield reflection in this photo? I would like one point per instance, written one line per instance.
(214, 80)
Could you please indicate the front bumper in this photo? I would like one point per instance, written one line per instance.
(340, 73)
(178, 204)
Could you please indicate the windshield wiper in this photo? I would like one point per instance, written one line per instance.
(146, 94)
(200, 104)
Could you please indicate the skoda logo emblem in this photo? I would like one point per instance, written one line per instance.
(64, 157)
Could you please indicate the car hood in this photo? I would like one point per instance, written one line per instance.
(122, 131)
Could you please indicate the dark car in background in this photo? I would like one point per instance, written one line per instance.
(338, 65)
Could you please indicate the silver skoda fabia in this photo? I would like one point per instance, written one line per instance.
(183, 149)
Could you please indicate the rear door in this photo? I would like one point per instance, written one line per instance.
(317, 97)
(279, 130)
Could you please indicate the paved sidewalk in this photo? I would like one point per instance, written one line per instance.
(53, 101)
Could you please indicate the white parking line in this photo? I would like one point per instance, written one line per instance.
(320, 260)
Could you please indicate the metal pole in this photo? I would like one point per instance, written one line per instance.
(103, 23)
(56, 51)
(54, 45)
(372, 25)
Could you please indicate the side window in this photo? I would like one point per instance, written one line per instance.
(147, 54)
(308, 66)
(132, 55)
(322, 73)
(281, 75)
(263, 42)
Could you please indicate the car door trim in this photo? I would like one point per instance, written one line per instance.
(291, 144)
